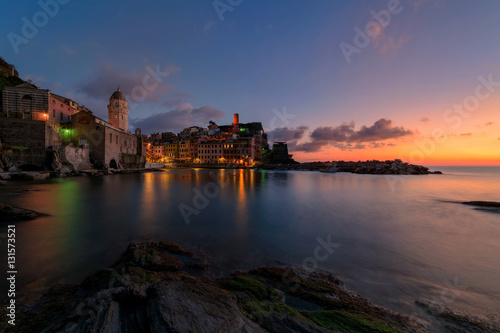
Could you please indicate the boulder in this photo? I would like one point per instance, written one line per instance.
(11, 213)
(65, 170)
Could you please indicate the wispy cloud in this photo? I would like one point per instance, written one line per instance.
(42, 83)
(209, 25)
(175, 120)
(425, 119)
(388, 44)
(107, 78)
(66, 49)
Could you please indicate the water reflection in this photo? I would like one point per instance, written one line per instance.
(396, 246)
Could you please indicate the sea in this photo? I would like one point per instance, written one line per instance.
(393, 239)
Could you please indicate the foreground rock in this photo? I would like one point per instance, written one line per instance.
(162, 287)
(11, 213)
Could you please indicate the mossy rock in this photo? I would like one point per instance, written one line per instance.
(348, 322)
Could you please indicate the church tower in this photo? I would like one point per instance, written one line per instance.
(118, 110)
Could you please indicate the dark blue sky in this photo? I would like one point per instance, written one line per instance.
(264, 57)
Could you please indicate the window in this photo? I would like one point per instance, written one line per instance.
(116, 116)
(54, 113)
(123, 117)
(61, 116)
(110, 137)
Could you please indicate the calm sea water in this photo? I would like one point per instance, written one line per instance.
(397, 240)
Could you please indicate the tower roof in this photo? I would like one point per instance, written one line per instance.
(118, 95)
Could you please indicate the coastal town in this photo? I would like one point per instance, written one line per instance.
(41, 130)
(57, 137)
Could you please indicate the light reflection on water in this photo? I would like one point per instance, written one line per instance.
(396, 246)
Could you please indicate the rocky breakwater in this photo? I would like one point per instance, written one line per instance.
(389, 167)
(162, 287)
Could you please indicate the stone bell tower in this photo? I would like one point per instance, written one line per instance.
(118, 110)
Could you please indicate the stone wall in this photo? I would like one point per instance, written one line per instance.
(22, 132)
(128, 161)
(32, 157)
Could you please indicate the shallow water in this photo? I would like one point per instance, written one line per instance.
(395, 240)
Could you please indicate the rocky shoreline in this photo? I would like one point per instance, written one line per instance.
(389, 167)
(16, 174)
(393, 167)
(163, 287)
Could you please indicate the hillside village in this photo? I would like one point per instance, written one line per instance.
(41, 130)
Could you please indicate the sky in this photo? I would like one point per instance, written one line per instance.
(338, 80)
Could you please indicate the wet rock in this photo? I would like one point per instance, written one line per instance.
(14, 169)
(5, 176)
(11, 213)
(150, 289)
(27, 175)
(456, 322)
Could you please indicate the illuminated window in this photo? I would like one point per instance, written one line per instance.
(116, 116)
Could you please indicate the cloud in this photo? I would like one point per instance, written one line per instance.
(390, 44)
(336, 134)
(42, 83)
(183, 116)
(66, 49)
(424, 119)
(286, 134)
(387, 44)
(381, 130)
(176, 99)
(209, 25)
(465, 134)
(417, 4)
(107, 78)
(346, 137)
(307, 147)
(489, 123)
